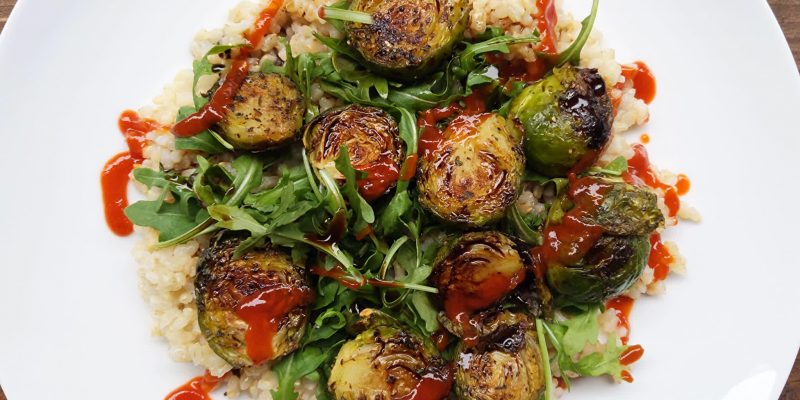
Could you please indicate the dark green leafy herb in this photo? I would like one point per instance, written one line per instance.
(573, 53)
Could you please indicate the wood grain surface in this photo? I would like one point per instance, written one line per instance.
(788, 13)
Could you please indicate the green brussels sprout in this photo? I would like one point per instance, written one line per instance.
(567, 119)
(629, 210)
(373, 145)
(388, 360)
(473, 273)
(409, 38)
(506, 363)
(267, 112)
(251, 309)
(610, 267)
(475, 172)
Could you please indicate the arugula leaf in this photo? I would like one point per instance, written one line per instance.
(524, 231)
(573, 53)
(169, 219)
(295, 366)
(616, 167)
(236, 219)
(424, 308)
(364, 213)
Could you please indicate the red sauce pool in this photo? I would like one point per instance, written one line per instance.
(432, 387)
(115, 175)
(624, 306)
(263, 311)
(627, 377)
(631, 355)
(641, 172)
(660, 258)
(214, 111)
(196, 389)
(643, 80)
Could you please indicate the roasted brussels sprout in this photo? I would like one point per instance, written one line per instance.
(409, 38)
(474, 272)
(387, 360)
(506, 363)
(567, 119)
(252, 309)
(475, 172)
(629, 210)
(373, 145)
(267, 112)
(610, 267)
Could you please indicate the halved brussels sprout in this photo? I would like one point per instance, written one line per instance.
(267, 112)
(409, 38)
(567, 119)
(610, 267)
(388, 360)
(373, 146)
(506, 363)
(252, 309)
(475, 172)
(473, 273)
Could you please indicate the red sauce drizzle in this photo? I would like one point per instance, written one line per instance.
(643, 80)
(524, 71)
(381, 175)
(441, 339)
(428, 120)
(546, 23)
(660, 258)
(570, 240)
(641, 172)
(196, 389)
(432, 387)
(342, 276)
(214, 110)
(263, 311)
(360, 235)
(626, 376)
(631, 355)
(623, 305)
(645, 138)
(115, 175)
(460, 305)
(683, 185)
(409, 167)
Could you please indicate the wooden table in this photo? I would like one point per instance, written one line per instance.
(788, 13)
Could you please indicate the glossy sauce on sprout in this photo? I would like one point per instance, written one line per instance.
(115, 175)
(640, 172)
(568, 242)
(195, 389)
(214, 110)
(432, 386)
(441, 339)
(263, 312)
(461, 305)
(428, 121)
(381, 175)
(624, 306)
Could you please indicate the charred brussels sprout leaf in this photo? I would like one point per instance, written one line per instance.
(372, 139)
(610, 267)
(387, 360)
(506, 363)
(628, 210)
(475, 172)
(228, 289)
(566, 117)
(267, 112)
(408, 38)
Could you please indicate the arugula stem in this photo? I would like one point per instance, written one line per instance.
(390, 255)
(573, 53)
(548, 374)
(421, 288)
(311, 179)
(523, 229)
(347, 15)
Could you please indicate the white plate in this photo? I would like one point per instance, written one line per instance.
(72, 325)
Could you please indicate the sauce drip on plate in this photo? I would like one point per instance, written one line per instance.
(641, 172)
(195, 389)
(115, 175)
(643, 80)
